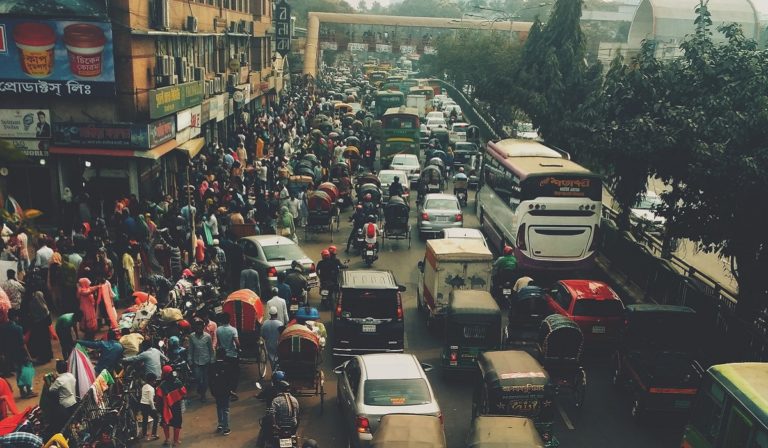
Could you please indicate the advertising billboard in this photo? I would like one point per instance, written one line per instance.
(63, 58)
(25, 123)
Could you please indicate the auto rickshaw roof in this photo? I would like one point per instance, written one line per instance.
(511, 368)
(409, 431)
(748, 382)
(472, 303)
(459, 249)
(558, 321)
(503, 432)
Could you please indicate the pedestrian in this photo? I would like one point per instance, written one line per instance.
(280, 304)
(110, 352)
(270, 331)
(285, 225)
(229, 342)
(12, 337)
(37, 324)
(64, 390)
(88, 307)
(66, 328)
(151, 358)
(13, 288)
(170, 393)
(200, 356)
(249, 279)
(222, 383)
(148, 409)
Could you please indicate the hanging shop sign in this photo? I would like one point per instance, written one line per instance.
(30, 148)
(25, 123)
(56, 58)
(282, 27)
(188, 124)
(205, 111)
(357, 46)
(168, 100)
(407, 49)
(161, 131)
(329, 46)
(383, 48)
(98, 135)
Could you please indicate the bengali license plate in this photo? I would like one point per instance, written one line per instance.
(286, 443)
(442, 219)
(506, 291)
(369, 253)
(218, 310)
(599, 329)
(368, 328)
(294, 307)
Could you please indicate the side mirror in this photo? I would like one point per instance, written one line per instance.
(427, 367)
(401, 288)
(421, 266)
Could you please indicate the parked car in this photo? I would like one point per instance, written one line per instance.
(464, 233)
(592, 304)
(408, 163)
(368, 317)
(271, 254)
(439, 211)
(371, 386)
(388, 176)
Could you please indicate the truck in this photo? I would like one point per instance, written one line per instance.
(418, 102)
(448, 265)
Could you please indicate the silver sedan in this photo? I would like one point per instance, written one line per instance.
(439, 211)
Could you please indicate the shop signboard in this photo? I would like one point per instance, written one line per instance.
(357, 46)
(100, 135)
(56, 58)
(168, 100)
(407, 49)
(329, 46)
(30, 148)
(429, 50)
(221, 107)
(205, 111)
(25, 123)
(282, 27)
(161, 131)
(188, 124)
(383, 48)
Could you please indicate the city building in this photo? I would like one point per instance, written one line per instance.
(113, 98)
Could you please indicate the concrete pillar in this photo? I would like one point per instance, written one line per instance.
(311, 49)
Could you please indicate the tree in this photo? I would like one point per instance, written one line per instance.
(718, 104)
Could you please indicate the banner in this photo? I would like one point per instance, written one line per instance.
(283, 32)
(87, 8)
(357, 46)
(100, 135)
(25, 123)
(31, 148)
(168, 100)
(188, 124)
(407, 49)
(56, 57)
(329, 46)
(429, 50)
(383, 48)
(161, 131)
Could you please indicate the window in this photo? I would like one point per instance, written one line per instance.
(708, 413)
(408, 392)
(249, 249)
(353, 376)
(561, 296)
(357, 305)
(441, 204)
(281, 252)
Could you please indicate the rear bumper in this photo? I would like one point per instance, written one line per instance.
(349, 352)
(435, 227)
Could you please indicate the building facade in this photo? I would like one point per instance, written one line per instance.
(113, 98)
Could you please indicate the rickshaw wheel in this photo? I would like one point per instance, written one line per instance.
(261, 363)
(581, 387)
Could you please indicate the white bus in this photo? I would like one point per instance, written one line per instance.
(535, 199)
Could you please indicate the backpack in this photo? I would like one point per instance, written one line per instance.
(370, 231)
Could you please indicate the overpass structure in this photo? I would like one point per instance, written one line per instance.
(316, 18)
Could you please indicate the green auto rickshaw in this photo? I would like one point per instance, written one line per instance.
(409, 431)
(501, 431)
(513, 383)
(472, 326)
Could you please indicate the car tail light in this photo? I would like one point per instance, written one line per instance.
(362, 424)
(399, 307)
(338, 307)
(595, 238)
(272, 272)
(312, 268)
(425, 216)
(520, 243)
(454, 358)
(459, 217)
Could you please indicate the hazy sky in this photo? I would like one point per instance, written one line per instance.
(370, 2)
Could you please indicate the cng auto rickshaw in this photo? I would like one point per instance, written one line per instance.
(527, 310)
(472, 326)
(513, 383)
(501, 431)
(409, 431)
(561, 343)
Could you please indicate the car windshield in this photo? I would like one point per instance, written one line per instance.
(388, 178)
(382, 305)
(648, 203)
(399, 392)
(441, 204)
(460, 127)
(597, 308)
(280, 252)
(405, 161)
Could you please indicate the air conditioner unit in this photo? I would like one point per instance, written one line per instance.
(161, 16)
(159, 81)
(241, 26)
(192, 24)
(171, 65)
(199, 73)
(174, 79)
(160, 66)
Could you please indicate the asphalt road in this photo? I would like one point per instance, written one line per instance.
(604, 421)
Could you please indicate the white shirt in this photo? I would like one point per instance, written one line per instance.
(43, 257)
(375, 234)
(64, 387)
(282, 308)
(213, 223)
(148, 395)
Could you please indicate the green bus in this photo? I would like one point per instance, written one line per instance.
(400, 133)
(731, 409)
(377, 77)
(386, 100)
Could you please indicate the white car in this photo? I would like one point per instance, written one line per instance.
(408, 163)
(435, 114)
(458, 132)
(449, 109)
(388, 176)
(434, 123)
(464, 233)
(646, 211)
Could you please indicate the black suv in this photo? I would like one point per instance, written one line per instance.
(369, 314)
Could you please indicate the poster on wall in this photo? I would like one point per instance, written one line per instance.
(25, 123)
(64, 58)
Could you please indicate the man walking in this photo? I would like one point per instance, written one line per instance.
(270, 331)
(222, 380)
(200, 356)
(279, 303)
(63, 388)
(66, 328)
(229, 344)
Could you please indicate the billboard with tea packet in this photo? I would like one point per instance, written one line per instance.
(56, 58)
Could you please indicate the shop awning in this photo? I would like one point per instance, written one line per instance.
(157, 151)
(63, 150)
(192, 147)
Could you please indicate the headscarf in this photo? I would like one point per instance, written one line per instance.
(203, 188)
(84, 285)
(86, 228)
(286, 218)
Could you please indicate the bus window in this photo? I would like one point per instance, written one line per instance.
(708, 414)
(739, 429)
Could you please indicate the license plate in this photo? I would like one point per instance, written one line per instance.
(442, 219)
(286, 443)
(506, 291)
(682, 404)
(218, 310)
(434, 186)
(294, 307)
(598, 329)
(367, 328)
(324, 292)
(369, 253)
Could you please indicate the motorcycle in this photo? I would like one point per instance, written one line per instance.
(370, 254)
(506, 292)
(359, 240)
(461, 195)
(295, 303)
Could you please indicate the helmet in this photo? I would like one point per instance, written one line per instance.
(332, 250)
(397, 178)
(507, 250)
(173, 341)
(275, 291)
(283, 386)
(325, 254)
(310, 443)
(277, 376)
(461, 169)
(371, 218)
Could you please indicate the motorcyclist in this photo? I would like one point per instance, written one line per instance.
(186, 281)
(296, 279)
(460, 181)
(357, 219)
(396, 188)
(328, 268)
(372, 232)
(504, 267)
(282, 412)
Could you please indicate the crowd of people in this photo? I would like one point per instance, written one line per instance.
(70, 286)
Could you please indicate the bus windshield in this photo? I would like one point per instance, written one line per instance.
(400, 122)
